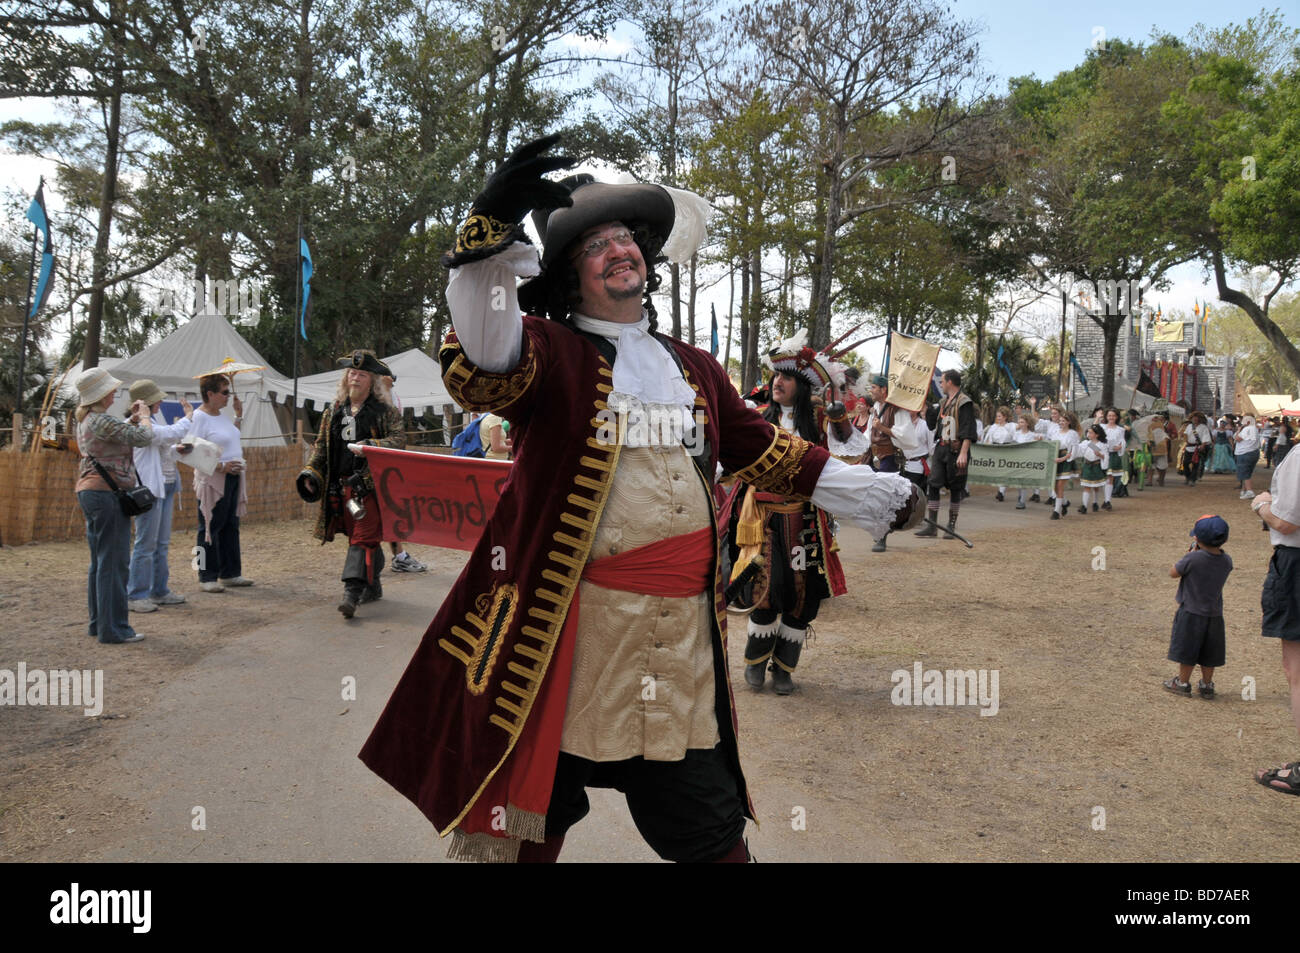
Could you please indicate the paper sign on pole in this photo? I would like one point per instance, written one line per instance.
(911, 368)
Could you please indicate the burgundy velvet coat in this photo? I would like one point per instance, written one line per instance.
(458, 710)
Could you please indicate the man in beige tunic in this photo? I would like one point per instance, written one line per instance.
(599, 657)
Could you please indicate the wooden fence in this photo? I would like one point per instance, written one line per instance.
(37, 502)
(38, 505)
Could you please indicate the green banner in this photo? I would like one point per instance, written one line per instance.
(1013, 464)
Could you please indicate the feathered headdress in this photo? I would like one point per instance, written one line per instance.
(819, 368)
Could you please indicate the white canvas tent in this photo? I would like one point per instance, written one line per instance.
(1268, 405)
(199, 345)
(419, 386)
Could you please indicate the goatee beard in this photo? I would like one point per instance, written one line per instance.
(623, 294)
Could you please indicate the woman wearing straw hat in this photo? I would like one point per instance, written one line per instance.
(107, 441)
(147, 589)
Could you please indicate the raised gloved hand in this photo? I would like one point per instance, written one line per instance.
(516, 186)
(512, 190)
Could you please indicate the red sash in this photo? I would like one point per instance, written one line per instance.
(677, 567)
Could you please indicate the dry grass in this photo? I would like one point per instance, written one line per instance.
(1083, 722)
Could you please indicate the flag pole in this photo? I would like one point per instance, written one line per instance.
(27, 312)
(1060, 358)
(297, 315)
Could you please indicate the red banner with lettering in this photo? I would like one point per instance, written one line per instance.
(434, 498)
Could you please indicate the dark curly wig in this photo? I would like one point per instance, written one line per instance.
(805, 417)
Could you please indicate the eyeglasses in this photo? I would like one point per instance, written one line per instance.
(596, 247)
(224, 393)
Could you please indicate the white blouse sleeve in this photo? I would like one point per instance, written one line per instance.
(905, 437)
(485, 306)
(855, 446)
(861, 496)
(170, 433)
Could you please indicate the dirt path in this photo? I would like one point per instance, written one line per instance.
(233, 704)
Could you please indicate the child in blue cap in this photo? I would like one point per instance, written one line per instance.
(1198, 637)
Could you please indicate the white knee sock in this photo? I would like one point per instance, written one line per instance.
(1087, 498)
(1058, 504)
(1110, 488)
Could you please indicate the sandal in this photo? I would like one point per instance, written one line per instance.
(1291, 781)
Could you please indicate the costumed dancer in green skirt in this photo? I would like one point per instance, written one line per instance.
(1095, 455)
(1068, 444)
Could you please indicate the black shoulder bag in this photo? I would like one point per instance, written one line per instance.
(137, 500)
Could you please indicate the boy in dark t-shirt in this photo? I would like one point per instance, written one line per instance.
(1198, 637)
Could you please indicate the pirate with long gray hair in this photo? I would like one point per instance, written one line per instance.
(338, 477)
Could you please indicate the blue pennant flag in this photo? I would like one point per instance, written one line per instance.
(1003, 364)
(36, 215)
(1079, 370)
(713, 339)
(306, 267)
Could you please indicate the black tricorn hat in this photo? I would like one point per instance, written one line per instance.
(364, 359)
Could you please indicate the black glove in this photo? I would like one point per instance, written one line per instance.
(517, 186)
(495, 219)
(308, 486)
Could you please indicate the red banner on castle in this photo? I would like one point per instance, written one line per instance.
(433, 498)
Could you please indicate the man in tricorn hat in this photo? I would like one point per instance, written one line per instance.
(790, 539)
(339, 477)
(584, 643)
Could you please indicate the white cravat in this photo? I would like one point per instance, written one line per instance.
(787, 418)
(645, 372)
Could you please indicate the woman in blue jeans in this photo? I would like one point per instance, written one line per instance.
(108, 441)
(147, 589)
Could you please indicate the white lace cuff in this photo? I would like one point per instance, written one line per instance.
(855, 446)
(860, 495)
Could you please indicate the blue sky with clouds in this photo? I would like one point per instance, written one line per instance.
(1045, 37)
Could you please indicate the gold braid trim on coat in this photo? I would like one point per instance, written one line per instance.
(775, 470)
(478, 390)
